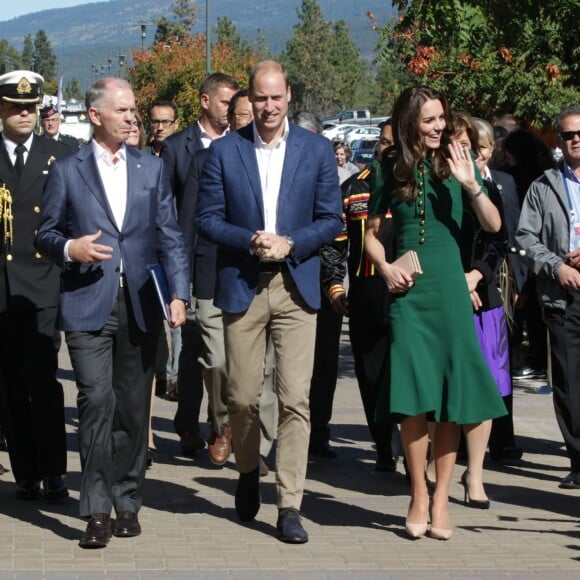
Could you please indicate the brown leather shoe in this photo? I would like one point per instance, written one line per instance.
(127, 525)
(191, 442)
(220, 446)
(98, 532)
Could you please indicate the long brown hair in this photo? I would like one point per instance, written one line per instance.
(409, 150)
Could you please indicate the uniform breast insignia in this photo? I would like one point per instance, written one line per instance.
(6, 217)
(50, 160)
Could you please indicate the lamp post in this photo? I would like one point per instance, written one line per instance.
(207, 39)
(143, 26)
(121, 58)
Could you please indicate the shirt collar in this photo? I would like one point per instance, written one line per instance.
(11, 145)
(103, 154)
(205, 135)
(568, 173)
(261, 143)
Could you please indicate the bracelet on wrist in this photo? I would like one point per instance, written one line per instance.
(476, 194)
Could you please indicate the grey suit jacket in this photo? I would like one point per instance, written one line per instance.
(75, 204)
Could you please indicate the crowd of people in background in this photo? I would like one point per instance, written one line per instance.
(269, 238)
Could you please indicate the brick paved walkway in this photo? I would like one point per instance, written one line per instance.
(354, 516)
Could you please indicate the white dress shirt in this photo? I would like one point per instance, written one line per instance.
(270, 165)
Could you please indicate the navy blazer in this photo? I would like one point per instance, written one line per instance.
(177, 153)
(75, 204)
(230, 210)
(509, 196)
(202, 252)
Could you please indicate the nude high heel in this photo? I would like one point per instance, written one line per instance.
(415, 531)
(441, 533)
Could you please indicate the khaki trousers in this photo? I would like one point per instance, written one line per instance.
(277, 312)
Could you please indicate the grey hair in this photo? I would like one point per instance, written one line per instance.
(99, 91)
(567, 112)
(307, 120)
(484, 129)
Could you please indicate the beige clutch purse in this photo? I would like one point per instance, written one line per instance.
(409, 262)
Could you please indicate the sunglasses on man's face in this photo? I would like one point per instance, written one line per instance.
(569, 135)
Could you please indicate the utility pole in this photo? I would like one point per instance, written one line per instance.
(207, 39)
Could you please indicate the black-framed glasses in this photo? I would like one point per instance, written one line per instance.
(569, 135)
(164, 122)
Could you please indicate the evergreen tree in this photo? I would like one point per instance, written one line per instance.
(44, 59)
(73, 90)
(324, 65)
(9, 57)
(27, 52)
(179, 28)
(226, 31)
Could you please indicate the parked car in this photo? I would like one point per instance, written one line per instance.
(355, 116)
(361, 133)
(363, 151)
(336, 132)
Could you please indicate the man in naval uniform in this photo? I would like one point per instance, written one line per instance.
(33, 402)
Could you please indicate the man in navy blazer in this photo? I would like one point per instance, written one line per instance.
(178, 153)
(269, 197)
(108, 213)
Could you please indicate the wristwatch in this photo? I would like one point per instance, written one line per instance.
(292, 245)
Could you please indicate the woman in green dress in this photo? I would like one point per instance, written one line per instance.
(437, 371)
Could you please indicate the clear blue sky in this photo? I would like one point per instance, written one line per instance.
(12, 9)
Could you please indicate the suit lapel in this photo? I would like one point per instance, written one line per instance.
(134, 175)
(250, 163)
(87, 168)
(291, 160)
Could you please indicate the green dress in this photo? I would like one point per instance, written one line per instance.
(436, 364)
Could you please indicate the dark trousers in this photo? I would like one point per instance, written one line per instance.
(369, 339)
(33, 400)
(564, 330)
(325, 372)
(502, 428)
(114, 373)
(190, 378)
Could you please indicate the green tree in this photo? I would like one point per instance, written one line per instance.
(226, 31)
(73, 90)
(43, 57)
(27, 52)
(177, 28)
(491, 55)
(9, 57)
(324, 64)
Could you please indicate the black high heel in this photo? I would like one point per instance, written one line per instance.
(481, 504)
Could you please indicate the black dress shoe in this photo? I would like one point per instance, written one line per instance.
(54, 488)
(323, 450)
(571, 481)
(98, 532)
(27, 489)
(127, 525)
(506, 454)
(385, 464)
(290, 528)
(151, 456)
(248, 495)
